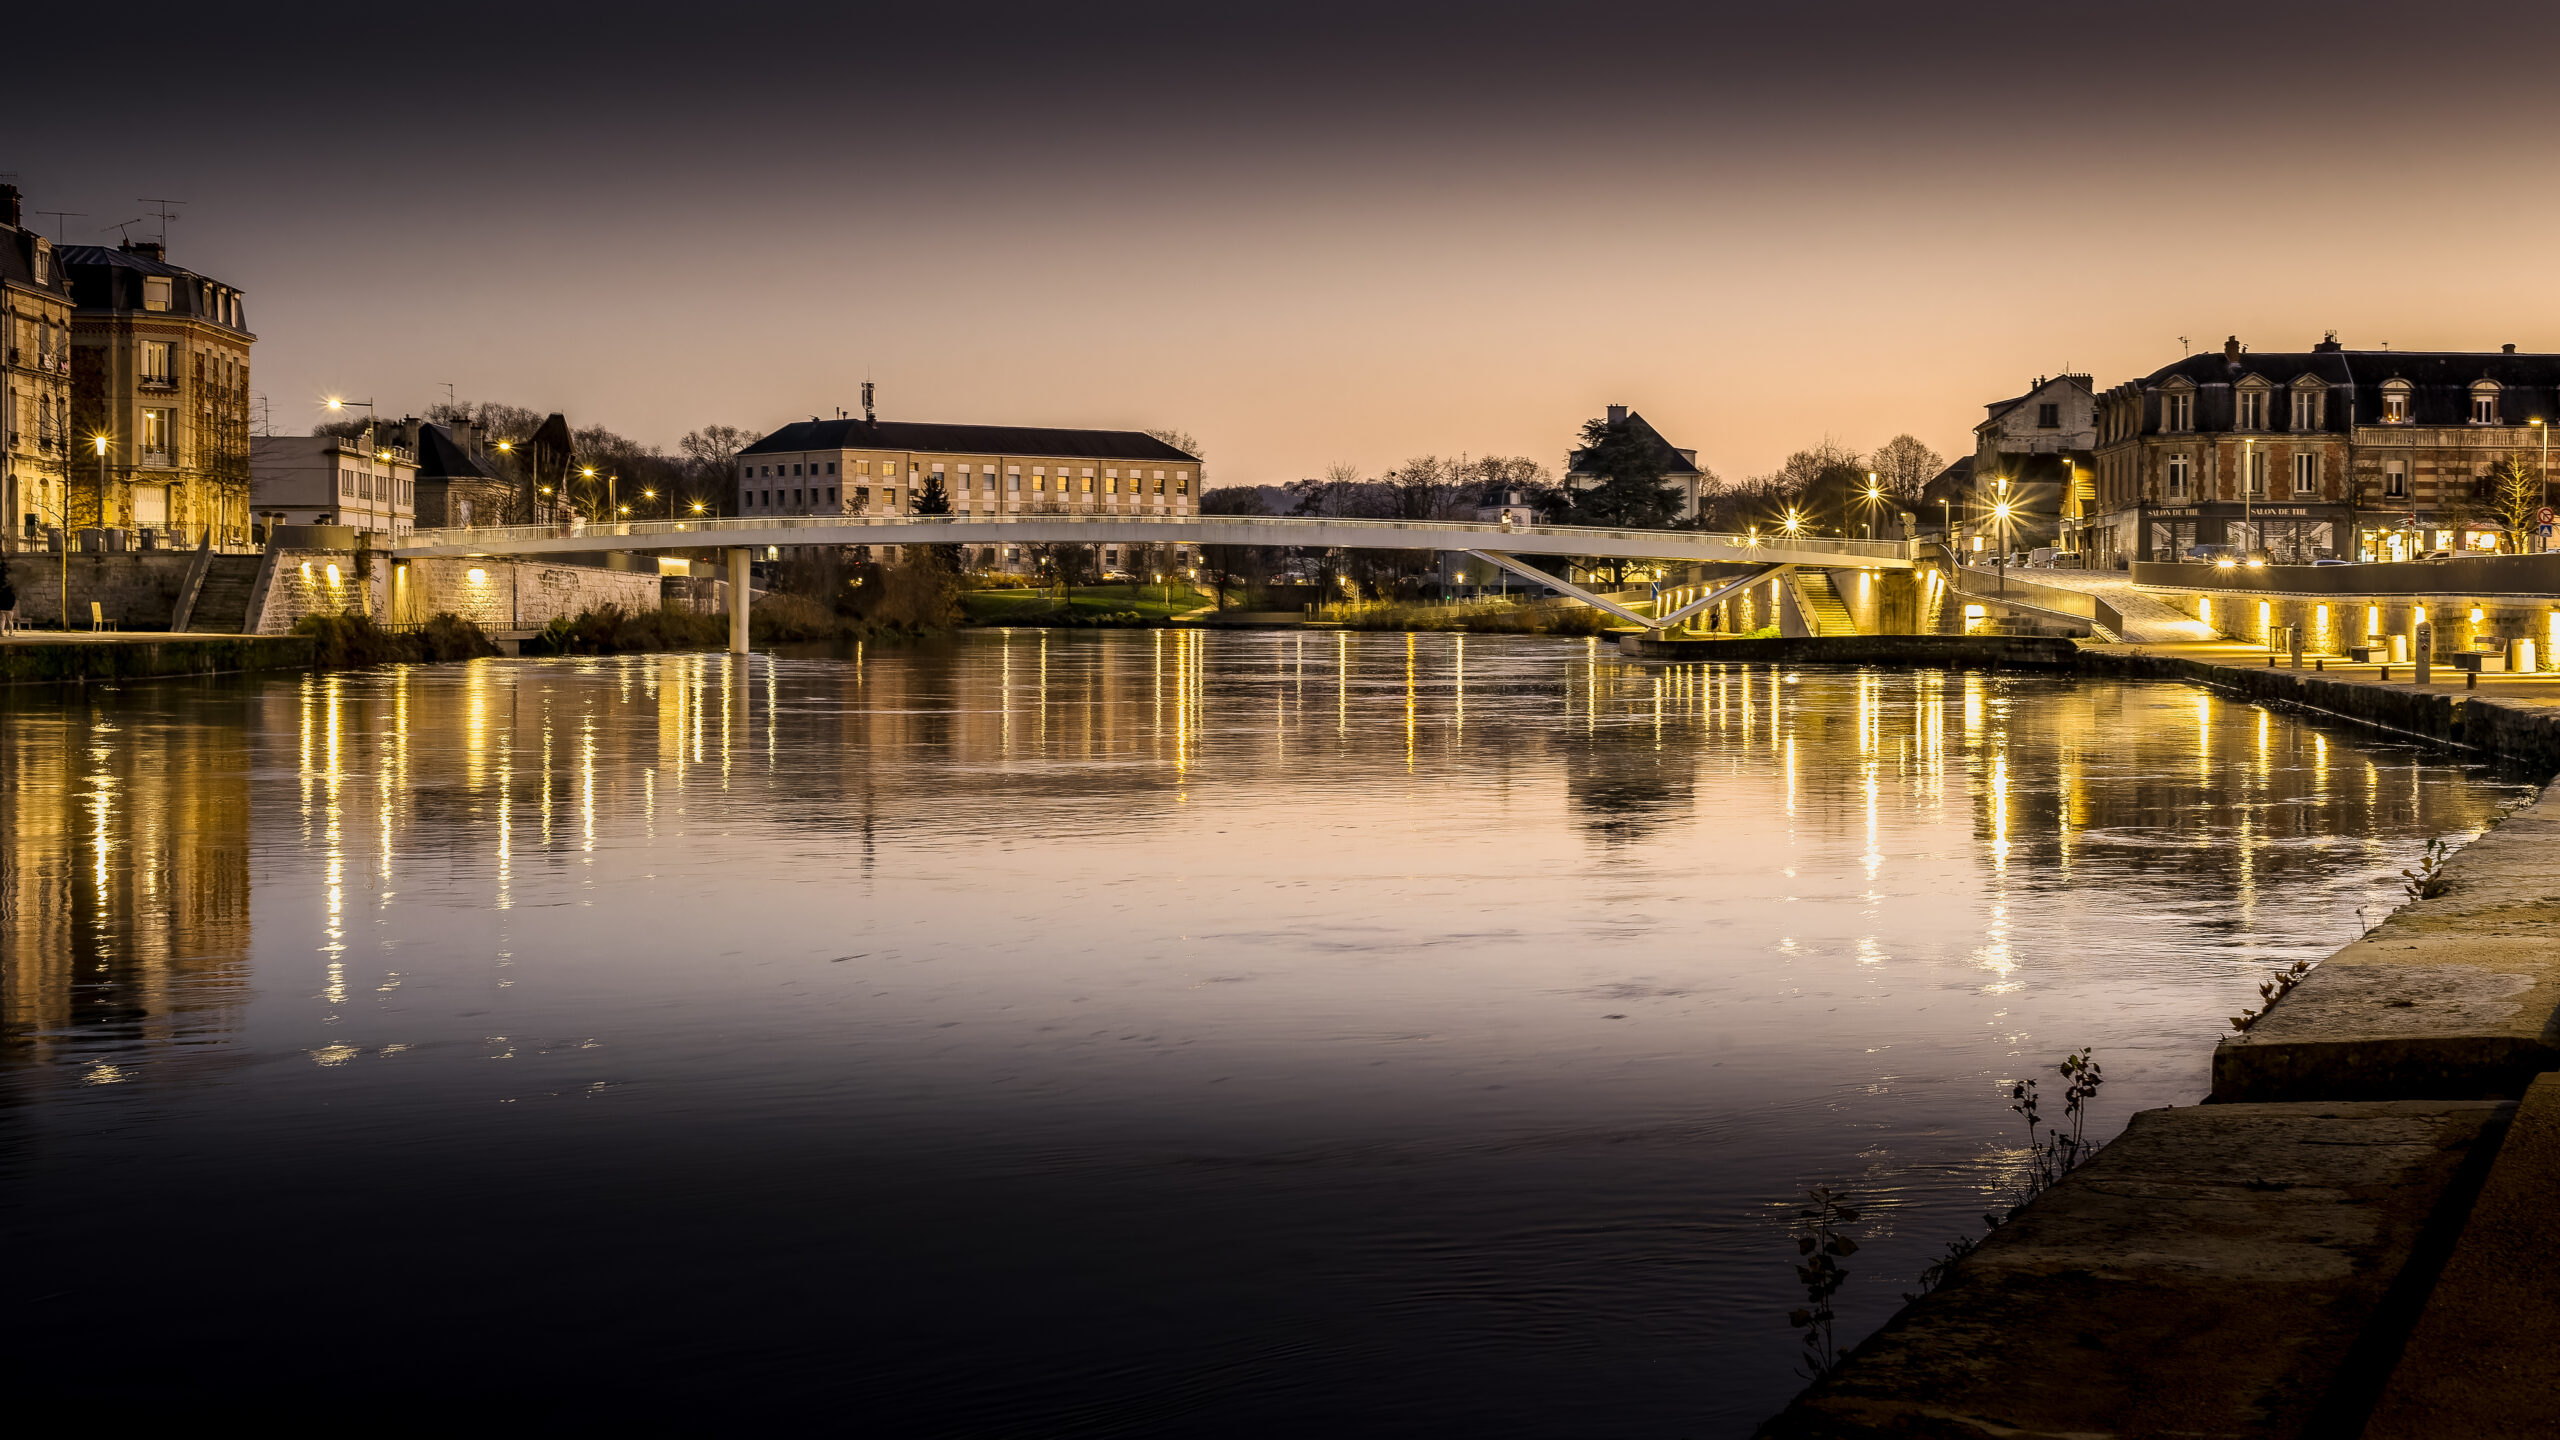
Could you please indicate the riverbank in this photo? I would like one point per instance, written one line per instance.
(50, 657)
(2346, 1239)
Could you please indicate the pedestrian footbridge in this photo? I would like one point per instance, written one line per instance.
(1497, 544)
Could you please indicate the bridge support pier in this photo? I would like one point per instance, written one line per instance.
(741, 583)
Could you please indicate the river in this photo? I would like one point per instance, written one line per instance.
(1093, 1032)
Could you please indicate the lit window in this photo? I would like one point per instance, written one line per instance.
(157, 425)
(155, 361)
(155, 292)
(2395, 403)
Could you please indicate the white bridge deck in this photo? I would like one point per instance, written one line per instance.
(751, 532)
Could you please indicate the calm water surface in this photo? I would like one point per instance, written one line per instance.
(1091, 1033)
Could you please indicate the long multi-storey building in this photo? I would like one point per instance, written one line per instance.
(35, 379)
(855, 467)
(2327, 453)
(160, 371)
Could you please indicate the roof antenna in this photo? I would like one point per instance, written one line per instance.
(2184, 346)
(119, 227)
(163, 212)
(62, 232)
(868, 418)
(449, 402)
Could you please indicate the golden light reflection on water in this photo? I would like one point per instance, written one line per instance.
(435, 767)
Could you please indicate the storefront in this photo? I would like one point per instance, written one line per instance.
(2289, 534)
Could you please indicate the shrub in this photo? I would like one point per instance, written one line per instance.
(345, 642)
(450, 637)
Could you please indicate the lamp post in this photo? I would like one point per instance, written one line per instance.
(2543, 472)
(2248, 482)
(338, 404)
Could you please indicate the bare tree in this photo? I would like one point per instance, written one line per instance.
(1904, 467)
(711, 463)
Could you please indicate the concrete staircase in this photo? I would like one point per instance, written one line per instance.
(222, 601)
(1820, 602)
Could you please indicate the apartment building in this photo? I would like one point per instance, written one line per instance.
(2315, 454)
(327, 480)
(160, 371)
(868, 466)
(35, 379)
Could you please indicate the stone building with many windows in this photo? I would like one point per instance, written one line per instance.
(35, 379)
(2326, 453)
(858, 467)
(160, 370)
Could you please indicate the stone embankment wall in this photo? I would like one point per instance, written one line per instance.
(136, 590)
(497, 595)
(2331, 623)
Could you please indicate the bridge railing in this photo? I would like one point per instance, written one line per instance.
(1248, 530)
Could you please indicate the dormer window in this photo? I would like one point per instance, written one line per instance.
(2395, 402)
(2484, 403)
(2253, 409)
(2306, 410)
(2178, 413)
(155, 292)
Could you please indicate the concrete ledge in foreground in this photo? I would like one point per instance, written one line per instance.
(2484, 1361)
(35, 660)
(2458, 996)
(2220, 1270)
(1952, 652)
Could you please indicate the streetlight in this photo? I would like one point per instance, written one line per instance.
(337, 404)
(2545, 470)
(2248, 482)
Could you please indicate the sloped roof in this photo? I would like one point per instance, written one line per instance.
(1671, 458)
(934, 439)
(1996, 409)
(442, 457)
(2439, 381)
(1953, 484)
(17, 263)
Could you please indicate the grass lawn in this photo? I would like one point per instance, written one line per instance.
(1088, 604)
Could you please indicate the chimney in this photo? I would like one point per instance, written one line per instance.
(147, 249)
(2231, 350)
(9, 202)
(2328, 344)
(2510, 349)
(1617, 414)
(867, 416)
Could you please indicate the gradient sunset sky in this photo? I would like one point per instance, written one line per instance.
(1312, 233)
